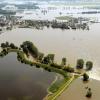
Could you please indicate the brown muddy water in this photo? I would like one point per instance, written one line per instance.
(77, 90)
(63, 43)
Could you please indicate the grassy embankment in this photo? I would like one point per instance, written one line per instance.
(64, 84)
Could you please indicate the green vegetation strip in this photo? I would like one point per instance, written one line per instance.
(61, 89)
(57, 83)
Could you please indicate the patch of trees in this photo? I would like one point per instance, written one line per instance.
(89, 93)
(59, 25)
(22, 59)
(85, 77)
(37, 24)
(80, 64)
(89, 65)
(29, 47)
(72, 24)
(49, 59)
(64, 60)
(8, 45)
(3, 53)
(40, 57)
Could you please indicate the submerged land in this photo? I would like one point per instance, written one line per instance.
(27, 49)
(63, 84)
(79, 86)
(61, 48)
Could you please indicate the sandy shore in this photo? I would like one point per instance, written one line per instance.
(77, 90)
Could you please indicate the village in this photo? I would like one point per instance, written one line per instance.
(10, 22)
(47, 14)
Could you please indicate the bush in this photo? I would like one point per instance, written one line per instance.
(85, 77)
(63, 61)
(80, 64)
(89, 93)
(89, 65)
(31, 48)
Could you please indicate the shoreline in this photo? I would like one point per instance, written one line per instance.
(56, 78)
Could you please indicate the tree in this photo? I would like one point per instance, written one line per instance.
(46, 60)
(41, 55)
(3, 45)
(12, 46)
(89, 65)
(31, 48)
(51, 57)
(89, 93)
(80, 64)
(4, 51)
(7, 44)
(63, 63)
(25, 50)
(85, 77)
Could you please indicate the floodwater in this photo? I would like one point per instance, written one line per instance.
(22, 82)
(72, 44)
(77, 90)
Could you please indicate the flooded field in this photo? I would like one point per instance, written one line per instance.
(63, 43)
(77, 90)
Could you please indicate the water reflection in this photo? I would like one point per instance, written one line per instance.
(22, 82)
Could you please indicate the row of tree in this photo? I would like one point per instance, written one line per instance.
(5, 48)
(29, 47)
(8, 45)
(71, 24)
(80, 64)
(3, 53)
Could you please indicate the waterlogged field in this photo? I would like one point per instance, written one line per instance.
(70, 44)
(22, 82)
(63, 43)
(77, 90)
